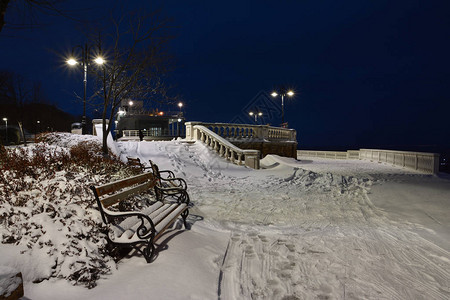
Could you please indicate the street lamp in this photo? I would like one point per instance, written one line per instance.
(6, 129)
(85, 51)
(282, 92)
(256, 115)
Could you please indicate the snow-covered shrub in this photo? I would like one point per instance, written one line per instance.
(46, 206)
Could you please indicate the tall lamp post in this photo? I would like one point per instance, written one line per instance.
(6, 129)
(256, 115)
(85, 54)
(283, 93)
(180, 105)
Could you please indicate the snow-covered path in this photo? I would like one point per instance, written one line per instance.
(290, 231)
(304, 234)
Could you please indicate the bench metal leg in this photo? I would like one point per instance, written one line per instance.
(149, 251)
(184, 216)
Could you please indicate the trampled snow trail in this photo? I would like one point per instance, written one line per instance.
(296, 234)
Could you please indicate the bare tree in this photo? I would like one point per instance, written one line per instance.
(136, 63)
(23, 13)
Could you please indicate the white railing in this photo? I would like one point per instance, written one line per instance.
(240, 132)
(419, 161)
(153, 132)
(323, 154)
(224, 148)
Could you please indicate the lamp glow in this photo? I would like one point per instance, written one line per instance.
(72, 61)
(274, 94)
(99, 60)
(290, 93)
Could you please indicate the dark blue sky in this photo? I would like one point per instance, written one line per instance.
(365, 73)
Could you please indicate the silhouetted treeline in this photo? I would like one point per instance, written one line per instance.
(24, 101)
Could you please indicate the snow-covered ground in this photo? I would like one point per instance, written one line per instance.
(308, 229)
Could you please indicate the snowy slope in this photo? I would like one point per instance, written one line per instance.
(290, 231)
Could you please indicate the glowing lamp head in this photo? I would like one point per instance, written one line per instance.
(251, 113)
(290, 93)
(260, 114)
(274, 94)
(72, 61)
(161, 113)
(130, 103)
(99, 60)
(5, 119)
(180, 105)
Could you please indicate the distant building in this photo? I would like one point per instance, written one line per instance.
(132, 117)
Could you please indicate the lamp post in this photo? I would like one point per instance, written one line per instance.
(282, 92)
(6, 129)
(180, 105)
(85, 51)
(256, 115)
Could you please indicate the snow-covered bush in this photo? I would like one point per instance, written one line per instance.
(46, 205)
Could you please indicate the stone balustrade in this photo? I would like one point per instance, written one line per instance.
(224, 148)
(266, 139)
(232, 131)
(419, 161)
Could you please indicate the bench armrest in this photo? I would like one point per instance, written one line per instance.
(171, 174)
(145, 230)
(179, 194)
(178, 183)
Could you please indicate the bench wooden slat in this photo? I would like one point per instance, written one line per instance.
(162, 214)
(119, 184)
(162, 226)
(126, 231)
(113, 199)
(130, 222)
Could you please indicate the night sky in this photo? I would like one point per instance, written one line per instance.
(365, 73)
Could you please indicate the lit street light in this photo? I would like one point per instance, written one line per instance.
(256, 115)
(85, 51)
(282, 92)
(180, 105)
(6, 129)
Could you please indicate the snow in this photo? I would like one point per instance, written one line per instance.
(8, 281)
(307, 229)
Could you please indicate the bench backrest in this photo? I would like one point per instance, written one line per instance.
(135, 162)
(114, 192)
(155, 171)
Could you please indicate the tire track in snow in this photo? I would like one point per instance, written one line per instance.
(365, 263)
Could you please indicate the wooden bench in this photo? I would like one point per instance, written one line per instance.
(168, 181)
(136, 162)
(166, 187)
(137, 229)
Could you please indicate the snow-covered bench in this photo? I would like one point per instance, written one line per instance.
(137, 229)
(136, 162)
(168, 180)
(167, 186)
